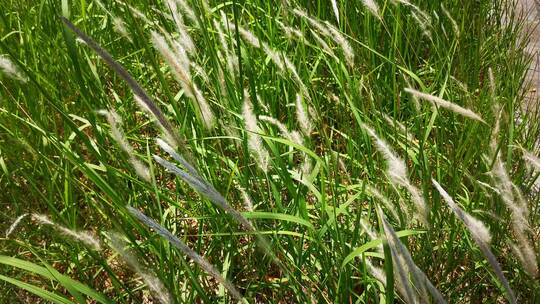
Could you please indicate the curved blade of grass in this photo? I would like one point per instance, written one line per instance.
(46, 273)
(42, 293)
(132, 83)
(176, 242)
(374, 243)
(277, 216)
(205, 189)
(478, 232)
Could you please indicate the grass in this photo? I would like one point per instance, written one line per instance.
(316, 145)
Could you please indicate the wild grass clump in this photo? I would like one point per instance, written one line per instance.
(298, 152)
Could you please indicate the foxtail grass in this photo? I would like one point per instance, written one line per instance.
(481, 236)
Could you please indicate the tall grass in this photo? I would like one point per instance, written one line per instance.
(306, 165)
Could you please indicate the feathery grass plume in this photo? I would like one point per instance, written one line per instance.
(397, 172)
(179, 158)
(180, 69)
(194, 256)
(531, 159)
(478, 230)
(422, 22)
(513, 199)
(322, 43)
(249, 37)
(338, 37)
(185, 39)
(133, 9)
(330, 31)
(15, 224)
(406, 263)
(119, 26)
(378, 273)
(199, 71)
(188, 11)
(293, 136)
(138, 91)
(372, 6)
(248, 203)
(232, 61)
(255, 142)
(291, 32)
(303, 116)
(154, 283)
(421, 17)
(321, 27)
(402, 129)
(279, 58)
(445, 104)
(480, 235)
(199, 184)
(455, 27)
(372, 191)
(85, 237)
(8, 68)
(118, 135)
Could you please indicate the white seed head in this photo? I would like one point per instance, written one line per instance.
(15, 224)
(255, 142)
(82, 236)
(119, 26)
(397, 172)
(118, 135)
(152, 282)
(335, 9)
(302, 116)
(8, 68)
(477, 229)
(445, 104)
(343, 43)
(372, 6)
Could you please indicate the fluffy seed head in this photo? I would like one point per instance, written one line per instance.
(118, 135)
(10, 69)
(82, 236)
(397, 172)
(120, 27)
(302, 116)
(372, 7)
(154, 283)
(477, 229)
(255, 143)
(292, 136)
(445, 104)
(15, 224)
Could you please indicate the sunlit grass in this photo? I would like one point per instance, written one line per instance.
(310, 156)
